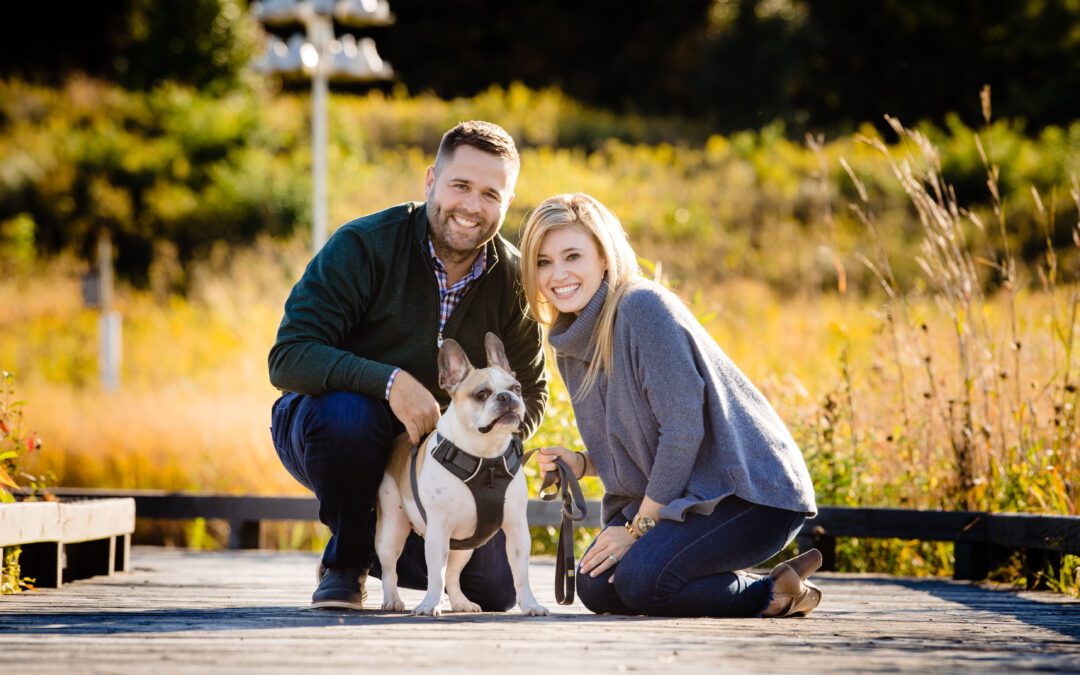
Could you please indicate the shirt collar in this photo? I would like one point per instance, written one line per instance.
(478, 266)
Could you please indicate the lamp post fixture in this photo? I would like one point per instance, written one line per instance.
(320, 55)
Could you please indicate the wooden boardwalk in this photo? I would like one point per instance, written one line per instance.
(233, 611)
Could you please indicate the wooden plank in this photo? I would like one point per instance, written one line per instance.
(899, 523)
(1032, 530)
(1012, 530)
(195, 612)
(29, 522)
(96, 519)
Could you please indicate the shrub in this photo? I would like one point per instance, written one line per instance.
(15, 443)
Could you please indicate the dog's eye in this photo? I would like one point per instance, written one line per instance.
(481, 395)
(516, 389)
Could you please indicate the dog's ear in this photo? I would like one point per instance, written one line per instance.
(454, 365)
(496, 354)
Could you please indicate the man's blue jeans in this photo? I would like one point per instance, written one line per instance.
(686, 569)
(337, 445)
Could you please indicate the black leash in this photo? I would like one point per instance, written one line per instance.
(567, 487)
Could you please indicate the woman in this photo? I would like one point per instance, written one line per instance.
(701, 478)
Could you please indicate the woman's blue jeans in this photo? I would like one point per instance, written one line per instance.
(337, 445)
(687, 568)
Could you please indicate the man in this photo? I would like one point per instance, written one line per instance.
(356, 353)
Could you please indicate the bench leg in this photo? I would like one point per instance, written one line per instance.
(245, 534)
(822, 542)
(122, 554)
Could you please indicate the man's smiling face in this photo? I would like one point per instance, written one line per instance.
(467, 199)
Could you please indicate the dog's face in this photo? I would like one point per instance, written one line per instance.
(484, 399)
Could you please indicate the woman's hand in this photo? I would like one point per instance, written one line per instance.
(610, 546)
(545, 458)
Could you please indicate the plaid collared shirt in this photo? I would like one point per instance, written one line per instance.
(449, 296)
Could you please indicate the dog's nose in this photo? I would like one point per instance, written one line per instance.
(504, 397)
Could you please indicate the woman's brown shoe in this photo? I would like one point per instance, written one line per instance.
(803, 564)
(793, 595)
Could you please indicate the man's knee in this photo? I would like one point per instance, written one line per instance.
(494, 598)
(487, 579)
(345, 416)
(345, 437)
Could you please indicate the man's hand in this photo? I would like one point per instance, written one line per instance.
(414, 406)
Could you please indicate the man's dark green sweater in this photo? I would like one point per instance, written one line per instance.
(368, 303)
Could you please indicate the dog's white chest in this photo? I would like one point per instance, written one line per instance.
(443, 493)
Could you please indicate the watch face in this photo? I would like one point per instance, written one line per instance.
(645, 523)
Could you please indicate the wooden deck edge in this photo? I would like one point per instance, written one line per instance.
(65, 522)
(67, 541)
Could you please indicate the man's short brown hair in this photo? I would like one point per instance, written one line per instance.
(484, 136)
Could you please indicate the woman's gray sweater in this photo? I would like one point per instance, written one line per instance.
(675, 419)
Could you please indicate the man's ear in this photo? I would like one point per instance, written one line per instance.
(454, 365)
(496, 354)
(429, 181)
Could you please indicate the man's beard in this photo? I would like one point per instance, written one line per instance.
(463, 246)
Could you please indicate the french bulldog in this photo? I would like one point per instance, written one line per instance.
(485, 410)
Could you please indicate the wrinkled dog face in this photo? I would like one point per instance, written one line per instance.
(484, 399)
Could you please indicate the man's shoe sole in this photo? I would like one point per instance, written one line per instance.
(336, 604)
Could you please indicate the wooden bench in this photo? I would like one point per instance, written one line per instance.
(981, 539)
(67, 540)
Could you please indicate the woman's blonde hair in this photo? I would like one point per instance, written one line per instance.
(583, 212)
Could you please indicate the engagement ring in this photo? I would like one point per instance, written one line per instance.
(613, 559)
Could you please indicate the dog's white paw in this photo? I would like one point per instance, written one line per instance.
(428, 609)
(534, 610)
(393, 605)
(465, 605)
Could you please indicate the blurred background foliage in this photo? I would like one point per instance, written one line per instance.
(173, 171)
(143, 118)
(727, 64)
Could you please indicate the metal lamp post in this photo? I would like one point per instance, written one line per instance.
(321, 56)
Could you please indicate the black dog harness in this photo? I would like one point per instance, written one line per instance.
(486, 477)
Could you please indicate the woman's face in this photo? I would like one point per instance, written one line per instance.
(569, 268)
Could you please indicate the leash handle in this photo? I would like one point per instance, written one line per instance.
(566, 486)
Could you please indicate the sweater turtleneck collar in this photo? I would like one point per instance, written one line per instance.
(573, 336)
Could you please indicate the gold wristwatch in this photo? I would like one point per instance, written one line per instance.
(640, 525)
